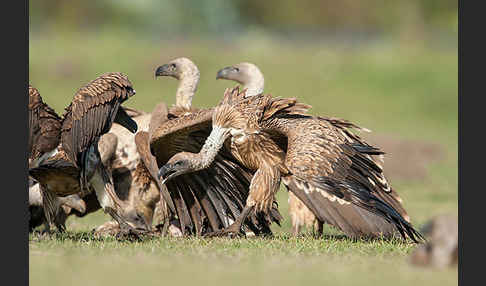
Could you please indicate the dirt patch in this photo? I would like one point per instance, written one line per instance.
(406, 159)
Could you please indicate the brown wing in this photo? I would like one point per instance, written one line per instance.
(44, 125)
(92, 112)
(143, 149)
(210, 199)
(337, 179)
(175, 135)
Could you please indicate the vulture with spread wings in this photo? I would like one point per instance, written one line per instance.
(250, 76)
(331, 174)
(75, 165)
(209, 200)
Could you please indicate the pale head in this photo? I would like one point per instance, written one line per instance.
(188, 75)
(247, 74)
(179, 164)
(178, 68)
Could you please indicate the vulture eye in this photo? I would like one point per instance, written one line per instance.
(173, 66)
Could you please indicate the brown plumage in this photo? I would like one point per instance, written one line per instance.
(44, 126)
(209, 200)
(251, 77)
(76, 166)
(71, 204)
(332, 175)
(92, 112)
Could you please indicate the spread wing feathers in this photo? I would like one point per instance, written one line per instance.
(210, 199)
(282, 106)
(92, 112)
(173, 136)
(44, 125)
(328, 176)
(255, 108)
(343, 124)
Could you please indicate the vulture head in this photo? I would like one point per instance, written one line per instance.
(142, 203)
(247, 74)
(179, 68)
(187, 162)
(184, 70)
(181, 163)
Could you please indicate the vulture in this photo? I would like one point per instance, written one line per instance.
(72, 204)
(247, 74)
(331, 174)
(250, 76)
(75, 165)
(211, 199)
(118, 151)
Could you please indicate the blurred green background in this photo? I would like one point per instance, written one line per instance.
(390, 66)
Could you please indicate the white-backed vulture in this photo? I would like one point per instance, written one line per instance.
(250, 76)
(76, 165)
(209, 200)
(332, 175)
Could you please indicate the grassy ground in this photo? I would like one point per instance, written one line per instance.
(404, 91)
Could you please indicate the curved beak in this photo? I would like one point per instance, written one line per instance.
(224, 72)
(162, 70)
(167, 172)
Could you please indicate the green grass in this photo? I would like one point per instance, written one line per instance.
(405, 91)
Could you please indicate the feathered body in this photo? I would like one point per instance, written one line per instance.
(252, 79)
(76, 166)
(209, 200)
(326, 167)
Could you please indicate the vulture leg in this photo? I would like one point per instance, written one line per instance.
(235, 228)
(102, 183)
(320, 228)
(264, 184)
(52, 207)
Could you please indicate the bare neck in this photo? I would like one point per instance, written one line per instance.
(255, 85)
(186, 89)
(211, 147)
